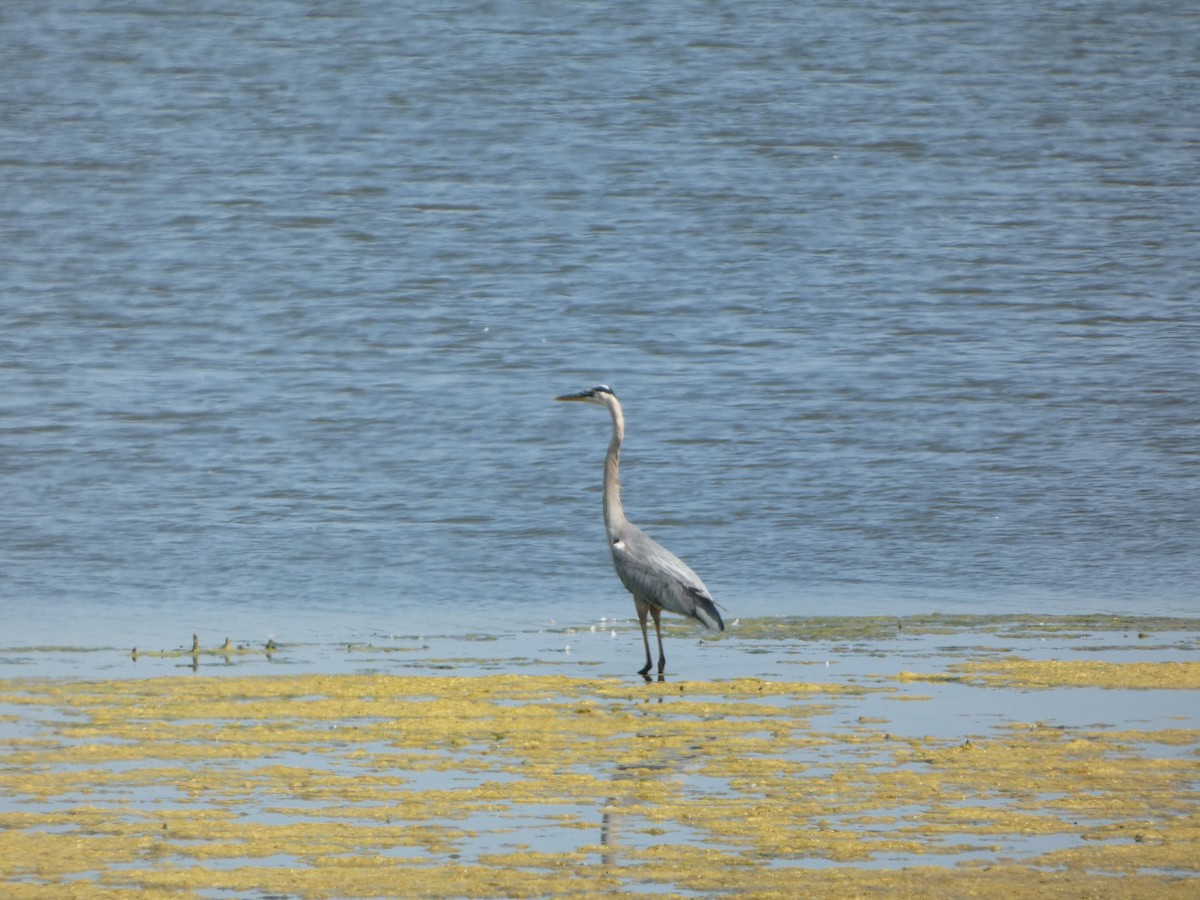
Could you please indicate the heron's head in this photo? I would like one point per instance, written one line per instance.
(601, 395)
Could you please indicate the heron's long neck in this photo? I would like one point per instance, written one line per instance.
(614, 514)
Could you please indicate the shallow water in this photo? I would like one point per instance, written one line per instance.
(901, 303)
(864, 751)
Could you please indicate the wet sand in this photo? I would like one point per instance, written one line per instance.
(951, 756)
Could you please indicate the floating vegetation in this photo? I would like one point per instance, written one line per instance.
(1032, 674)
(227, 651)
(539, 785)
(876, 628)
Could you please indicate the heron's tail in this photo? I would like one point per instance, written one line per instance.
(706, 611)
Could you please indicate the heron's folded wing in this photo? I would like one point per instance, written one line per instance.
(649, 570)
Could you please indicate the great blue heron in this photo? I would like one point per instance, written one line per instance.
(656, 577)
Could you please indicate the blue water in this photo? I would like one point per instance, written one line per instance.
(902, 304)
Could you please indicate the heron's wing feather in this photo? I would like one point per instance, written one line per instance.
(649, 570)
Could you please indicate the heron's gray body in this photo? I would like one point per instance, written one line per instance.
(658, 579)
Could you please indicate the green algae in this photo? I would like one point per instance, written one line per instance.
(347, 798)
(1031, 674)
(533, 785)
(877, 628)
(1026, 673)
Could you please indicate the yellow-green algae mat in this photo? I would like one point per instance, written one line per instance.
(540, 785)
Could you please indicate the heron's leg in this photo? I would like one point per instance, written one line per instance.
(662, 657)
(642, 609)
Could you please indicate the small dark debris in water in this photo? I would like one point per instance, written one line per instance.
(270, 645)
(195, 643)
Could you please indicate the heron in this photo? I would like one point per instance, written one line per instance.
(658, 579)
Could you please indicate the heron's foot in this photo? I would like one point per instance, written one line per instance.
(644, 671)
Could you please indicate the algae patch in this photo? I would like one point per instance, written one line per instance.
(545, 785)
(881, 628)
(1026, 673)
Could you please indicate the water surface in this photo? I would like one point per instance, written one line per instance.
(902, 304)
